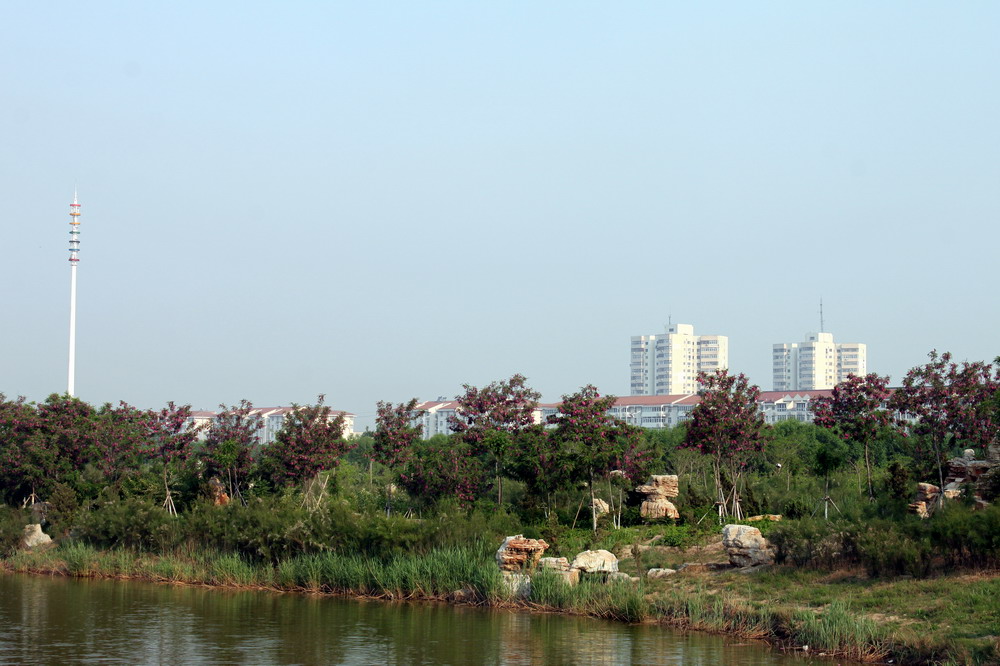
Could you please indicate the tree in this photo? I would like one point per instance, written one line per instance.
(595, 442)
(950, 402)
(726, 425)
(122, 441)
(171, 438)
(311, 439)
(25, 460)
(856, 408)
(231, 443)
(492, 418)
(395, 433)
(444, 466)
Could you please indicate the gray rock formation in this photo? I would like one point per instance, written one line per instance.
(34, 537)
(746, 546)
(595, 561)
(660, 573)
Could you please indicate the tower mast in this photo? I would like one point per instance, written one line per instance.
(74, 249)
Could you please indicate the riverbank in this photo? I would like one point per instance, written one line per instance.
(945, 619)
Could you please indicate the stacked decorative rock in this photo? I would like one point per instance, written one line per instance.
(657, 493)
(746, 546)
(923, 504)
(515, 557)
(519, 554)
(961, 471)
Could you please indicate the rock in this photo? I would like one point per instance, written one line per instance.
(219, 495)
(919, 508)
(746, 546)
(34, 537)
(560, 567)
(660, 485)
(654, 509)
(571, 577)
(601, 507)
(927, 492)
(773, 517)
(595, 561)
(517, 585)
(554, 563)
(924, 503)
(517, 553)
(464, 596)
(660, 573)
(969, 454)
(619, 577)
(656, 494)
(703, 567)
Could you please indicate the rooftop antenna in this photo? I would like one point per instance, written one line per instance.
(74, 249)
(821, 328)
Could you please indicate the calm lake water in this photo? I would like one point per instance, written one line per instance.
(60, 620)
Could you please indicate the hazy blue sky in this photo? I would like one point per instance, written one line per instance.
(387, 200)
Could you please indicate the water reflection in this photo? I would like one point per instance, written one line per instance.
(46, 620)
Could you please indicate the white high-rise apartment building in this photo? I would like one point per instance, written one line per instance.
(817, 364)
(668, 364)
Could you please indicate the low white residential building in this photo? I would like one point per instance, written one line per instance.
(272, 420)
(645, 411)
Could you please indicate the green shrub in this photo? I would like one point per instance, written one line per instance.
(133, 522)
(12, 522)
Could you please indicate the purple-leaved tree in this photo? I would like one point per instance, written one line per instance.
(726, 425)
(857, 410)
(491, 420)
(950, 402)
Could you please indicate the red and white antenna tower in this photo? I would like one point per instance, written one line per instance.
(74, 250)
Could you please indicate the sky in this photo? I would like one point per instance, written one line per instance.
(388, 200)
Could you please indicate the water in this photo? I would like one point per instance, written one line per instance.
(60, 620)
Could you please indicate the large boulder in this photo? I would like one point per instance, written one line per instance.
(601, 508)
(34, 537)
(595, 561)
(746, 546)
(518, 553)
